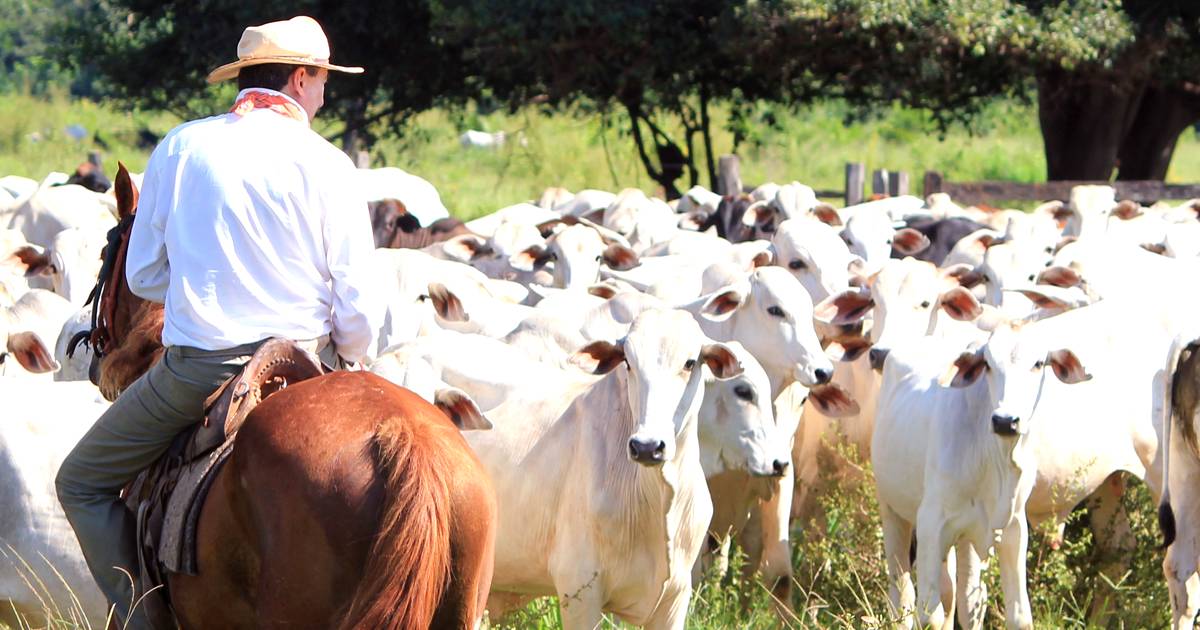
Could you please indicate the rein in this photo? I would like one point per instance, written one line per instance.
(103, 297)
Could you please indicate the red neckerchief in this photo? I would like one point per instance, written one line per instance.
(277, 103)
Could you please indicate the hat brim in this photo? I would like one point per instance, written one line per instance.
(230, 70)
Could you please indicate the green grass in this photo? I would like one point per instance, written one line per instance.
(811, 146)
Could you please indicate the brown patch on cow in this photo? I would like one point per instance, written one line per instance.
(961, 304)
(1067, 366)
(1063, 277)
(1126, 210)
(827, 215)
(844, 308)
(833, 401)
(619, 258)
(721, 360)
(599, 357)
(908, 241)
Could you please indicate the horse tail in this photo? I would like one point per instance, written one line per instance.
(408, 566)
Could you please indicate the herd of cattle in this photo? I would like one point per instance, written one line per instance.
(655, 379)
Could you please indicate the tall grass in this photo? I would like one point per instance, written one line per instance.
(811, 146)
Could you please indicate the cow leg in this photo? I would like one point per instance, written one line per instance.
(897, 538)
(972, 592)
(933, 544)
(579, 586)
(1179, 568)
(804, 459)
(1114, 541)
(948, 587)
(671, 613)
(1014, 543)
(777, 548)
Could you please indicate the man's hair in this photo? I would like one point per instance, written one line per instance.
(272, 76)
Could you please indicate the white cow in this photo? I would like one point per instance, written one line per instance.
(42, 571)
(54, 209)
(27, 330)
(71, 262)
(601, 495)
(419, 196)
(577, 253)
(814, 253)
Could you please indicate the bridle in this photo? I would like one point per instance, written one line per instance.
(103, 297)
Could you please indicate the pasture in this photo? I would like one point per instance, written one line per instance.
(840, 576)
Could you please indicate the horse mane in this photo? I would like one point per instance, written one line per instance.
(408, 566)
(136, 351)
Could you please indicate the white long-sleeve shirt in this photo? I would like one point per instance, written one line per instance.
(249, 227)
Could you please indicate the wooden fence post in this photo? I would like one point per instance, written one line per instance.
(856, 175)
(729, 177)
(897, 183)
(932, 184)
(879, 182)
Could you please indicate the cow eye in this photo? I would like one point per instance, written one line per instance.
(797, 264)
(889, 242)
(1039, 365)
(1032, 277)
(552, 256)
(775, 311)
(744, 392)
(925, 304)
(689, 365)
(1049, 249)
(598, 258)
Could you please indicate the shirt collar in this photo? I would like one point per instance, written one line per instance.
(266, 91)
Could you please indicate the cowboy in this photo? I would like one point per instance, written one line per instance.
(246, 230)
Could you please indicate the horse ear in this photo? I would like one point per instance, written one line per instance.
(32, 353)
(461, 409)
(126, 192)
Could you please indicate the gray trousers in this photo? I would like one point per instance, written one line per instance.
(130, 436)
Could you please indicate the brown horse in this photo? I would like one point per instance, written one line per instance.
(346, 502)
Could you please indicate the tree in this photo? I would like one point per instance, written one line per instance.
(1115, 82)
(157, 54)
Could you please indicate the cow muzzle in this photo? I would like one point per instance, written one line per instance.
(647, 452)
(1004, 424)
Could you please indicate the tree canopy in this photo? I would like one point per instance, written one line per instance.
(1114, 81)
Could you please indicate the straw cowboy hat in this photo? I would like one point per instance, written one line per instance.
(298, 41)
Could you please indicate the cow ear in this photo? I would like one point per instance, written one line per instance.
(909, 241)
(1127, 210)
(35, 263)
(447, 304)
(757, 213)
(531, 258)
(693, 220)
(961, 304)
(827, 215)
(965, 370)
(848, 348)
(833, 401)
(721, 360)
(987, 241)
(1064, 277)
(599, 357)
(762, 259)
(1067, 366)
(605, 291)
(125, 191)
(619, 257)
(966, 275)
(32, 353)
(1042, 300)
(1155, 248)
(549, 228)
(461, 409)
(722, 304)
(847, 307)
(466, 247)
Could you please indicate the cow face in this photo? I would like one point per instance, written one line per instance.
(1011, 265)
(1016, 367)
(813, 252)
(909, 296)
(737, 423)
(773, 316)
(666, 353)
(871, 234)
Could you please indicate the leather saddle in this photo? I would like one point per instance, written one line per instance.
(168, 496)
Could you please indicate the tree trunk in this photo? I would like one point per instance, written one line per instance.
(1145, 152)
(1083, 121)
(706, 130)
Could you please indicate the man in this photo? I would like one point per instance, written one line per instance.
(247, 229)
